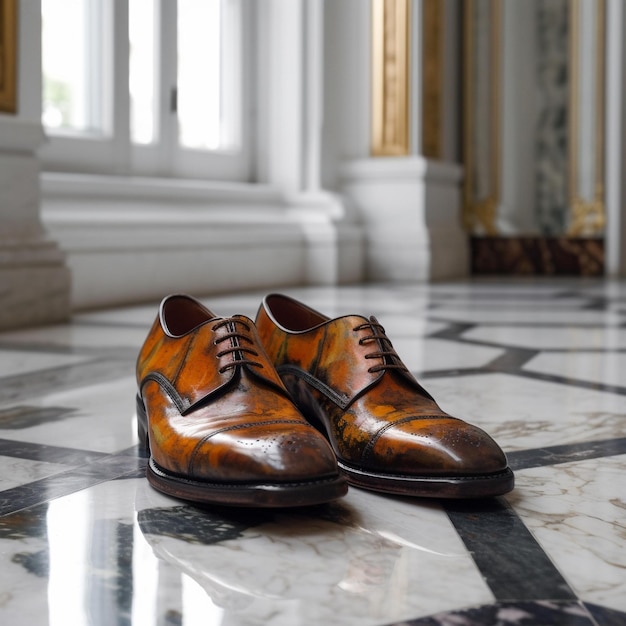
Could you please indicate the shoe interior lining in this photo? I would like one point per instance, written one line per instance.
(181, 314)
(294, 315)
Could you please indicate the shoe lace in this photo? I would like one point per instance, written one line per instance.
(238, 335)
(390, 358)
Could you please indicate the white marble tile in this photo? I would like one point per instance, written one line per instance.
(14, 362)
(577, 512)
(402, 325)
(522, 413)
(132, 316)
(365, 299)
(387, 560)
(366, 560)
(15, 472)
(76, 336)
(608, 288)
(99, 417)
(608, 368)
(560, 337)
(499, 302)
(59, 560)
(96, 556)
(482, 314)
(518, 286)
(412, 326)
(423, 355)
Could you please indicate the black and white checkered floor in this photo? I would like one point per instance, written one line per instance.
(540, 365)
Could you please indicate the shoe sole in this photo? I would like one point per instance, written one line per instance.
(448, 487)
(294, 494)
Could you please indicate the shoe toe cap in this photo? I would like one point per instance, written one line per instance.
(444, 446)
(280, 453)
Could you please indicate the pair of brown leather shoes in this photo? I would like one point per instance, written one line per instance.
(282, 411)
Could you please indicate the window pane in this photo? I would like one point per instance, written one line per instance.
(142, 29)
(200, 74)
(73, 66)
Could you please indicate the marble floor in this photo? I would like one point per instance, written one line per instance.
(541, 365)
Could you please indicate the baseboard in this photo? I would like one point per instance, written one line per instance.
(130, 240)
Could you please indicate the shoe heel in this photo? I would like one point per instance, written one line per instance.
(142, 424)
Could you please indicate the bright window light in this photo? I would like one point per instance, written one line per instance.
(142, 70)
(73, 66)
(199, 73)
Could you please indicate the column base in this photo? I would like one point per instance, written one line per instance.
(33, 294)
(410, 210)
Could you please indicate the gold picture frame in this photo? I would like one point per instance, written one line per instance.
(8, 56)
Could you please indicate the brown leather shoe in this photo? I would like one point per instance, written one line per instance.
(217, 420)
(387, 432)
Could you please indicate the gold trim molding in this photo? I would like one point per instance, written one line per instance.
(390, 77)
(433, 34)
(8, 56)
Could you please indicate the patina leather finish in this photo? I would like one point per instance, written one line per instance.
(219, 424)
(388, 433)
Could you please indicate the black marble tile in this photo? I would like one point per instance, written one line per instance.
(453, 330)
(39, 346)
(454, 373)
(509, 558)
(22, 388)
(49, 454)
(102, 323)
(26, 416)
(199, 525)
(65, 483)
(553, 455)
(35, 563)
(512, 360)
(541, 613)
(573, 382)
(604, 616)
(25, 524)
(210, 524)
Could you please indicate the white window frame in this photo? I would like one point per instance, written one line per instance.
(115, 154)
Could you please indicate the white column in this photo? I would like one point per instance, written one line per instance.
(34, 281)
(410, 205)
(293, 152)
